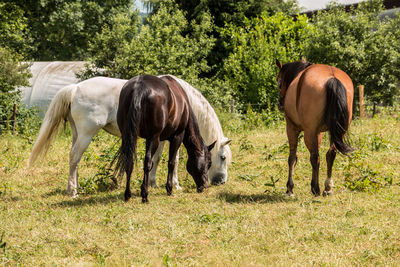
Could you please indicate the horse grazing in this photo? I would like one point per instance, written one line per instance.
(158, 109)
(315, 98)
(91, 105)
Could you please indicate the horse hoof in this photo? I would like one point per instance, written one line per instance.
(145, 200)
(327, 193)
(200, 189)
(127, 196)
(316, 192)
(178, 187)
(289, 194)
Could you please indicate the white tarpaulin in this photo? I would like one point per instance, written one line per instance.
(47, 79)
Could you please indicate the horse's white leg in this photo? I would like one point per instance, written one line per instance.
(72, 171)
(175, 181)
(83, 132)
(156, 160)
(80, 146)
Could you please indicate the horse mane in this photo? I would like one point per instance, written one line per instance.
(206, 116)
(291, 70)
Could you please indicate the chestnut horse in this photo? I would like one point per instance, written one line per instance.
(158, 109)
(315, 98)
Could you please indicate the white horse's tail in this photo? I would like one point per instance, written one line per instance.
(56, 113)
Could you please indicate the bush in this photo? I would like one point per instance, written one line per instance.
(360, 44)
(250, 69)
(161, 46)
(12, 75)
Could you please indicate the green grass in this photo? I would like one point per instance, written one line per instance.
(247, 222)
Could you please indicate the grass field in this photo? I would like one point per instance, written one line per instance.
(247, 222)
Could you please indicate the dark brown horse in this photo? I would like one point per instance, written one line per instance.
(157, 110)
(315, 98)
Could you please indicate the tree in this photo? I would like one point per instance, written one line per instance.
(112, 39)
(61, 30)
(12, 27)
(161, 46)
(233, 12)
(360, 44)
(250, 69)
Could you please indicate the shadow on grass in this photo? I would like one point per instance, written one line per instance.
(268, 197)
(56, 192)
(89, 200)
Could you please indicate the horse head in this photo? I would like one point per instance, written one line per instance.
(287, 73)
(198, 165)
(218, 173)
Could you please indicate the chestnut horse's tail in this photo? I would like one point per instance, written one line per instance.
(56, 113)
(336, 115)
(129, 131)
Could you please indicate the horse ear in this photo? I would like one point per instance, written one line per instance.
(210, 147)
(278, 63)
(225, 142)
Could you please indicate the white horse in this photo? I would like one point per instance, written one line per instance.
(92, 105)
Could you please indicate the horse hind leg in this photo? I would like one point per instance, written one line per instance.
(77, 150)
(151, 147)
(293, 135)
(330, 158)
(313, 142)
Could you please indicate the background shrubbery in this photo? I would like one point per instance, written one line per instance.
(225, 48)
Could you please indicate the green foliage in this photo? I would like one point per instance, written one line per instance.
(234, 12)
(122, 28)
(61, 30)
(166, 260)
(272, 185)
(361, 45)
(393, 30)
(364, 177)
(104, 179)
(12, 75)
(12, 27)
(162, 46)
(250, 69)
(211, 218)
(246, 145)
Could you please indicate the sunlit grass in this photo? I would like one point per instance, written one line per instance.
(247, 222)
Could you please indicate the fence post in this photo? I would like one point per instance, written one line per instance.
(232, 106)
(14, 118)
(362, 103)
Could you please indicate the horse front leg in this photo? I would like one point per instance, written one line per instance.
(293, 135)
(175, 180)
(330, 158)
(151, 148)
(313, 142)
(174, 144)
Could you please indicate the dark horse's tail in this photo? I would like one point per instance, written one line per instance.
(336, 115)
(129, 129)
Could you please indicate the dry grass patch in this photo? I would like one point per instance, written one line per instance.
(249, 221)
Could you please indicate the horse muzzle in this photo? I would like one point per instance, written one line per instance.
(218, 179)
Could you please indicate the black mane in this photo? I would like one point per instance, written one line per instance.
(289, 71)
